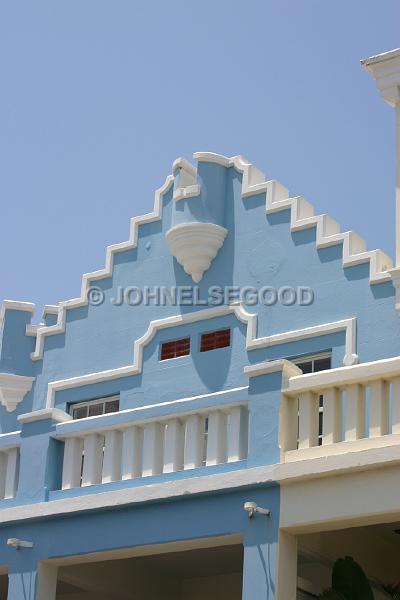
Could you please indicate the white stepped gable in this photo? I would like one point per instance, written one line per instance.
(195, 245)
(253, 182)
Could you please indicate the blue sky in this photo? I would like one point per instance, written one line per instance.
(99, 97)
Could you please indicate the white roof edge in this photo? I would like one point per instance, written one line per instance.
(366, 62)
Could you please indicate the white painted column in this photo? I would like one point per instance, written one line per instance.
(47, 581)
(3, 472)
(72, 464)
(216, 438)
(112, 456)
(332, 416)
(194, 442)
(396, 405)
(308, 420)
(153, 447)
(174, 446)
(355, 412)
(238, 425)
(93, 459)
(132, 450)
(379, 409)
(288, 423)
(10, 486)
(286, 567)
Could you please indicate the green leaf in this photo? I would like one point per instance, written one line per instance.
(349, 579)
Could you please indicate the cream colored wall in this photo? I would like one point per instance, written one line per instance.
(345, 500)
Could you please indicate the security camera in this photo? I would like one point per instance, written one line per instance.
(251, 508)
(17, 544)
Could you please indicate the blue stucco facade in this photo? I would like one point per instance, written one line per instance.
(94, 351)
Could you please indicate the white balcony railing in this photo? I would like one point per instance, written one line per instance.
(341, 410)
(155, 446)
(8, 472)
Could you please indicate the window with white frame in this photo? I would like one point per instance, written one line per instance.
(93, 408)
(313, 364)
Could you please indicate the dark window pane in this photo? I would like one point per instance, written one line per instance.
(112, 406)
(306, 367)
(322, 364)
(96, 409)
(80, 413)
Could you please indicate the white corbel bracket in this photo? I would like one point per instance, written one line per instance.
(13, 389)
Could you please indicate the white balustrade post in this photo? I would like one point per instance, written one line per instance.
(93, 459)
(308, 419)
(194, 442)
(153, 446)
(10, 486)
(355, 412)
(396, 405)
(379, 409)
(332, 416)
(237, 433)
(72, 463)
(132, 449)
(174, 446)
(288, 423)
(3, 471)
(112, 456)
(216, 438)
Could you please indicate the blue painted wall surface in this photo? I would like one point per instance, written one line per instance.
(156, 523)
(259, 250)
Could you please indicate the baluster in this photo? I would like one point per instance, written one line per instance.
(332, 416)
(288, 423)
(308, 419)
(112, 456)
(237, 433)
(72, 464)
(396, 405)
(194, 442)
(93, 459)
(379, 409)
(174, 446)
(216, 439)
(355, 412)
(3, 471)
(132, 452)
(10, 486)
(153, 447)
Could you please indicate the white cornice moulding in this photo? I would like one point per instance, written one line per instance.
(13, 389)
(385, 68)
(54, 414)
(252, 343)
(281, 473)
(195, 245)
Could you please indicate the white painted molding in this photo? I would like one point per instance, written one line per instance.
(302, 216)
(55, 414)
(385, 68)
(13, 389)
(253, 182)
(285, 473)
(187, 187)
(252, 342)
(195, 245)
(287, 368)
(365, 372)
(15, 305)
